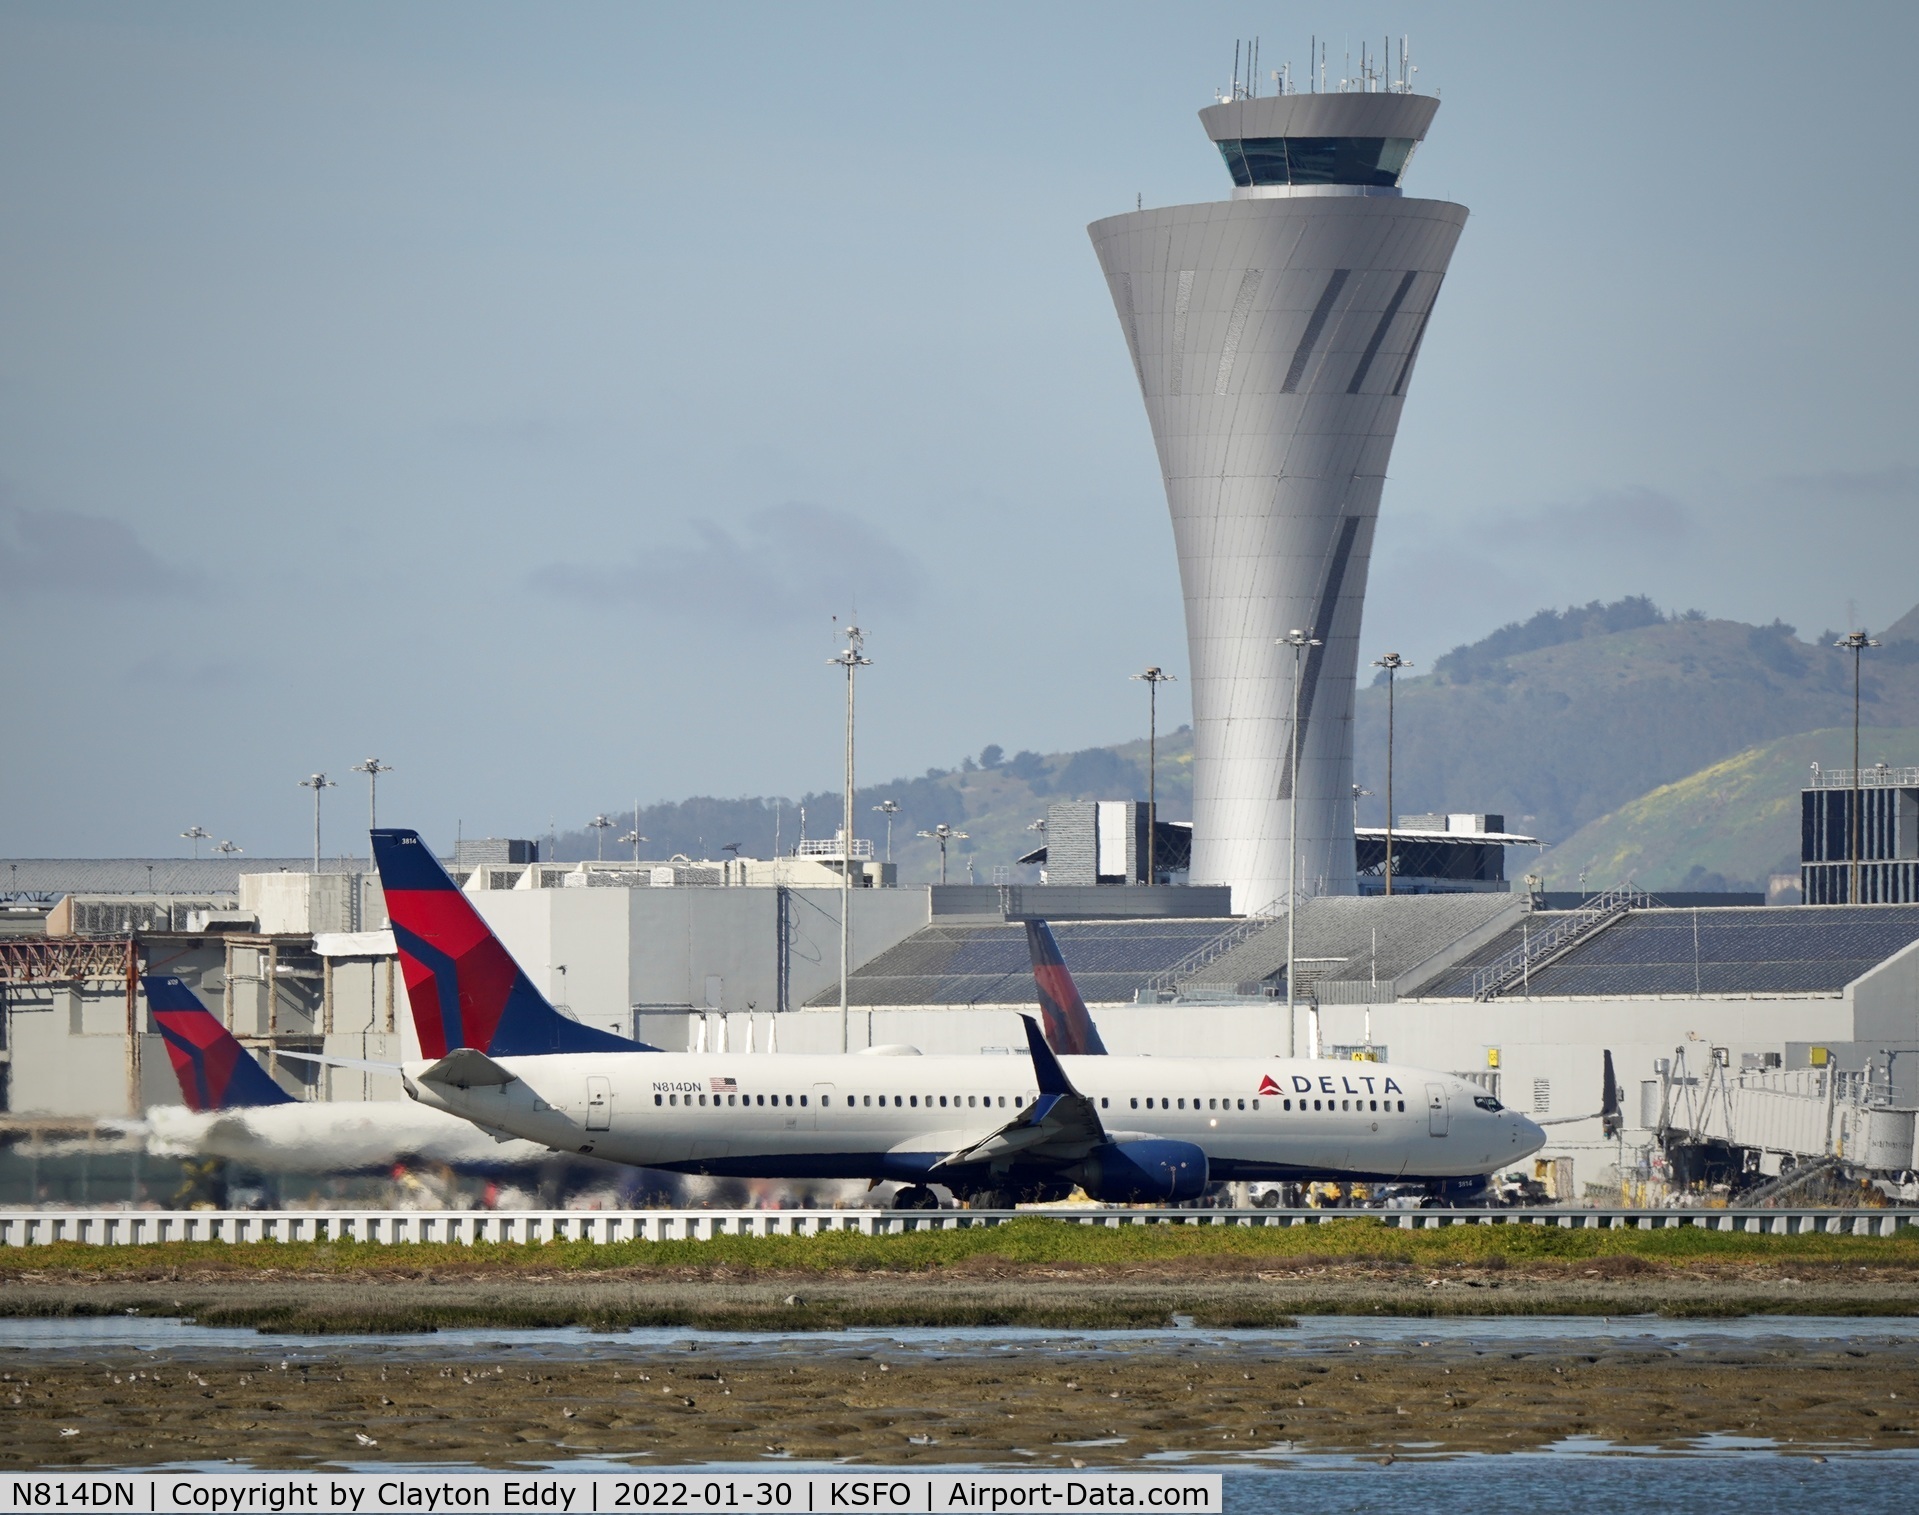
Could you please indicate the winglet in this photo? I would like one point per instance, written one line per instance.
(1069, 1029)
(1046, 1069)
(463, 986)
(214, 1070)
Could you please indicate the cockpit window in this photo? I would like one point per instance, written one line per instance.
(1487, 1102)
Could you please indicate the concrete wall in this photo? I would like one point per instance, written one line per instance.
(663, 951)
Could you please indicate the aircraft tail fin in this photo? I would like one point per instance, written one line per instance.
(1611, 1120)
(215, 1071)
(1070, 1031)
(463, 986)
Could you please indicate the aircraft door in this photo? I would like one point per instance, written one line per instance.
(1437, 1115)
(599, 1104)
(825, 1108)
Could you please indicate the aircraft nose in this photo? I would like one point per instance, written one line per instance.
(1529, 1135)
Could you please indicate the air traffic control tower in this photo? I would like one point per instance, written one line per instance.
(1274, 336)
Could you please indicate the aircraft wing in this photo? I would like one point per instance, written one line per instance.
(1062, 1125)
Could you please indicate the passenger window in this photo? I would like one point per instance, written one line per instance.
(898, 1100)
(1345, 1104)
(1315, 1104)
(1104, 1102)
(972, 1101)
(1182, 1104)
(1242, 1104)
(1255, 1104)
(802, 1099)
(1285, 1104)
(702, 1099)
(914, 1102)
(789, 1099)
(1017, 1101)
(1135, 1101)
(1375, 1104)
(1402, 1107)
(761, 1098)
(674, 1098)
(1002, 1102)
(658, 1100)
(1149, 1102)
(942, 1102)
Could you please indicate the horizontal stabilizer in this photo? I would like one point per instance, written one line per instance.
(327, 1061)
(463, 1068)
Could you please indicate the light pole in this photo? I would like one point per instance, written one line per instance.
(196, 835)
(635, 838)
(1299, 642)
(227, 849)
(943, 833)
(372, 768)
(601, 825)
(317, 782)
(1360, 792)
(1855, 642)
(852, 660)
(1152, 678)
(889, 809)
(1392, 663)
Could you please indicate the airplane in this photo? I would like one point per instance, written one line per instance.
(995, 1130)
(233, 1109)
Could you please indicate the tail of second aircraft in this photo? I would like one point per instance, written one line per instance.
(1069, 1029)
(215, 1071)
(464, 988)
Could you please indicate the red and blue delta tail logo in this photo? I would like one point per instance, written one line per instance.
(1070, 1031)
(464, 988)
(215, 1071)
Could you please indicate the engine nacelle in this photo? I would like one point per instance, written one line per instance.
(1144, 1172)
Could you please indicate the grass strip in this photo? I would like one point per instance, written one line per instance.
(1025, 1243)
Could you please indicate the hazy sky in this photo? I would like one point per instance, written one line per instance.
(518, 392)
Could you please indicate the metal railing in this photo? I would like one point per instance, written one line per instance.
(834, 847)
(131, 1228)
(1212, 951)
(1876, 777)
(1566, 930)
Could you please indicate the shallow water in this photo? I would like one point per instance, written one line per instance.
(1317, 1333)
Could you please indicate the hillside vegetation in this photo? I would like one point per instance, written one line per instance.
(1556, 722)
(1728, 826)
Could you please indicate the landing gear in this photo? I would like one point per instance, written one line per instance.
(916, 1197)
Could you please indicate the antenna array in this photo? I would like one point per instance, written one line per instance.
(1389, 71)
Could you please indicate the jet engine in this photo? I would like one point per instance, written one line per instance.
(1143, 1172)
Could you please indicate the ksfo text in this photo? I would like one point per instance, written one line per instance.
(876, 1492)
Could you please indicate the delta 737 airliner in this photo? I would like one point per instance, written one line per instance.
(992, 1129)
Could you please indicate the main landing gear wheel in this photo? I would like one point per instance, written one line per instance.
(916, 1197)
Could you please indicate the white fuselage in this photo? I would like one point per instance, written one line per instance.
(876, 1116)
(320, 1137)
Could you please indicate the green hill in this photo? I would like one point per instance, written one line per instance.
(1556, 736)
(1729, 825)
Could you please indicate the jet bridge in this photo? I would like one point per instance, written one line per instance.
(1706, 1115)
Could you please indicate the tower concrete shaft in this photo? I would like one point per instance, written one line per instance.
(1274, 336)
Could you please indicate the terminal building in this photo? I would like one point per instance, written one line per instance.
(1879, 849)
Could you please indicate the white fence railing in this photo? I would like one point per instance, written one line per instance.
(128, 1228)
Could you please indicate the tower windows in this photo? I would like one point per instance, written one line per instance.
(1377, 162)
